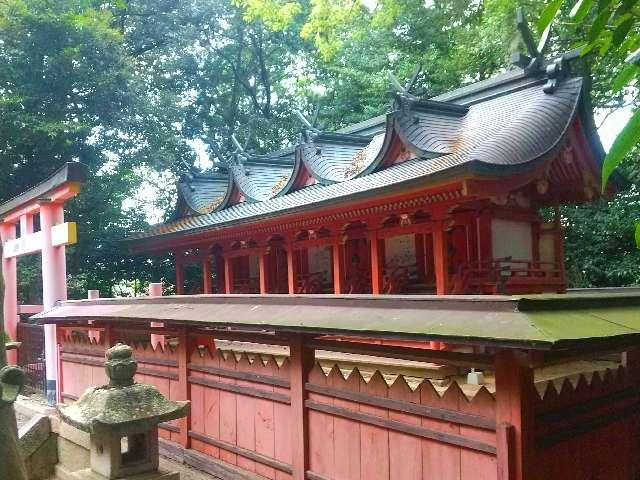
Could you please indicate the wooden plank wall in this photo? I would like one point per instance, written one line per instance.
(240, 411)
(241, 414)
(369, 430)
(590, 428)
(81, 365)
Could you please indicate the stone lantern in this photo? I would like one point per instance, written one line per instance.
(122, 421)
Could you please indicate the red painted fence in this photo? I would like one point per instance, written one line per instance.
(274, 417)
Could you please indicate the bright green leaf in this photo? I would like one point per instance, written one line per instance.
(620, 33)
(637, 235)
(624, 142)
(599, 24)
(624, 77)
(548, 14)
(580, 9)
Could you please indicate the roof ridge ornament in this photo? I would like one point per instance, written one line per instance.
(404, 97)
(535, 60)
(311, 131)
(240, 154)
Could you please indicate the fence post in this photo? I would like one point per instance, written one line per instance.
(155, 290)
(94, 335)
(505, 435)
(515, 392)
(301, 361)
(184, 391)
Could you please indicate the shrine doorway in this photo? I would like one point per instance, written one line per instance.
(245, 274)
(277, 270)
(357, 259)
(408, 264)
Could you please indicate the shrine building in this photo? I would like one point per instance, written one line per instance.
(441, 195)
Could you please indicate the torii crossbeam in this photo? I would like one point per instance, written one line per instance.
(45, 200)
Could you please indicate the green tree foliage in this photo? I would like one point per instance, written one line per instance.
(611, 28)
(68, 92)
(124, 86)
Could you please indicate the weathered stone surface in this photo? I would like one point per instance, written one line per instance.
(41, 465)
(33, 434)
(71, 455)
(122, 407)
(121, 420)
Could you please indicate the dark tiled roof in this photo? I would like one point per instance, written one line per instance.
(334, 158)
(262, 178)
(69, 172)
(496, 127)
(201, 194)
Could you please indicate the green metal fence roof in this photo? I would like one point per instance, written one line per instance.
(535, 322)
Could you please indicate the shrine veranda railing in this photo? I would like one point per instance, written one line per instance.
(263, 414)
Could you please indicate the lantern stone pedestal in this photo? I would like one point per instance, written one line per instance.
(121, 420)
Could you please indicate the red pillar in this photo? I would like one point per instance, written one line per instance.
(183, 385)
(93, 334)
(484, 239)
(440, 253)
(515, 396)
(179, 274)
(420, 257)
(26, 224)
(301, 361)
(54, 289)
(207, 281)
(377, 264)
(262, 264)
(337, 255)
(228, 274)
(291, 269)
(155, 290)
(559, 247)
(10, 275)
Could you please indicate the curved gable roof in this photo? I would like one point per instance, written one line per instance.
(262, 178)
(200, 194)
(500, 129)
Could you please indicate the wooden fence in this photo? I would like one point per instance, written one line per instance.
(290, 418)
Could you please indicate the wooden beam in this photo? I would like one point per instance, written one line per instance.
(337, 256)
(291, 269)
(184, 392)
(515, 405)
(301, 359)
(262, 264)
(377, 264)
(179, 277)
(441, 254)
(241, 336)
(241, 389)
(61, 234)
(207, 281)
(401, 427)
(460, 359)
(228, 274)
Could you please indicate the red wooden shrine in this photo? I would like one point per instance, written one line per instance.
(439, 196)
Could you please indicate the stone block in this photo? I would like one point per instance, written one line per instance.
(74, 435)
(33, 434)
(41, 465)
(71, 455)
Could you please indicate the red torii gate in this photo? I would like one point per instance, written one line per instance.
(45, 200)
